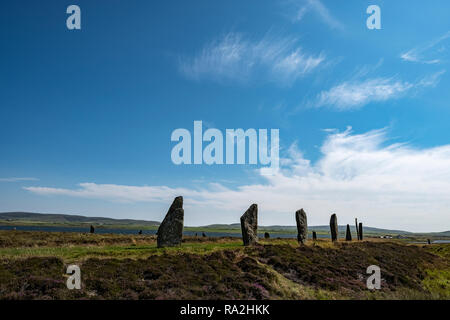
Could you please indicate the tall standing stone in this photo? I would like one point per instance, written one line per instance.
(249, 225)
(314, 234)
(356, 226)
(170, 231)
(92, 229)
(348, 234)
(360, 231)
(334, 227)
(302, 226)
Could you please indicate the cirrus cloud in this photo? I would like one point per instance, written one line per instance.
(18, 179)
(318, 8)
(431, 53)
(235, 57)
(358, 93)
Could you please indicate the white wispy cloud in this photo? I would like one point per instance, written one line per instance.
(430, 53)
(355, 94)
(321, 11)
(16, 179)
(235, 57)
(358, 175)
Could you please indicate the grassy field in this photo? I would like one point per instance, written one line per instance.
(33, 264)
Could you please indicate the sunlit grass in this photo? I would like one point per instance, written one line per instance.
(77, 253)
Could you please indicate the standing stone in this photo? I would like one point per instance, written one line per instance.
(302, 226)
(170, 231)
(429, 241)
(249, 225)
(334, 227)
(348, 234)
(360, 231)
(266, 235)
(314, 234)
(92, 229)
(203, 235)
(357, 231)
(140, 232)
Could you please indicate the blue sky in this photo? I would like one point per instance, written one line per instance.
(86, 115)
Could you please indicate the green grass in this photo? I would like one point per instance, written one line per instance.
(437, 280)
(79, 253)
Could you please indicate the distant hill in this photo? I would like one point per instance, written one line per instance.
(18, 217)
(370, 231)
(323, 228)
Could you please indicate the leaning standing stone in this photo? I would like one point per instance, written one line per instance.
(348, 234)
(334, 227)
(170, 231)
(314, 234)
(302, 226)
(249, 225)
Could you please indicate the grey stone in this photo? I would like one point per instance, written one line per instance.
(170, 232)
(302, 226)
(266, 235)
(334, 227)
(249, 225)
(348, 234)
(314, 234)
(357, 230)
(92, 229)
